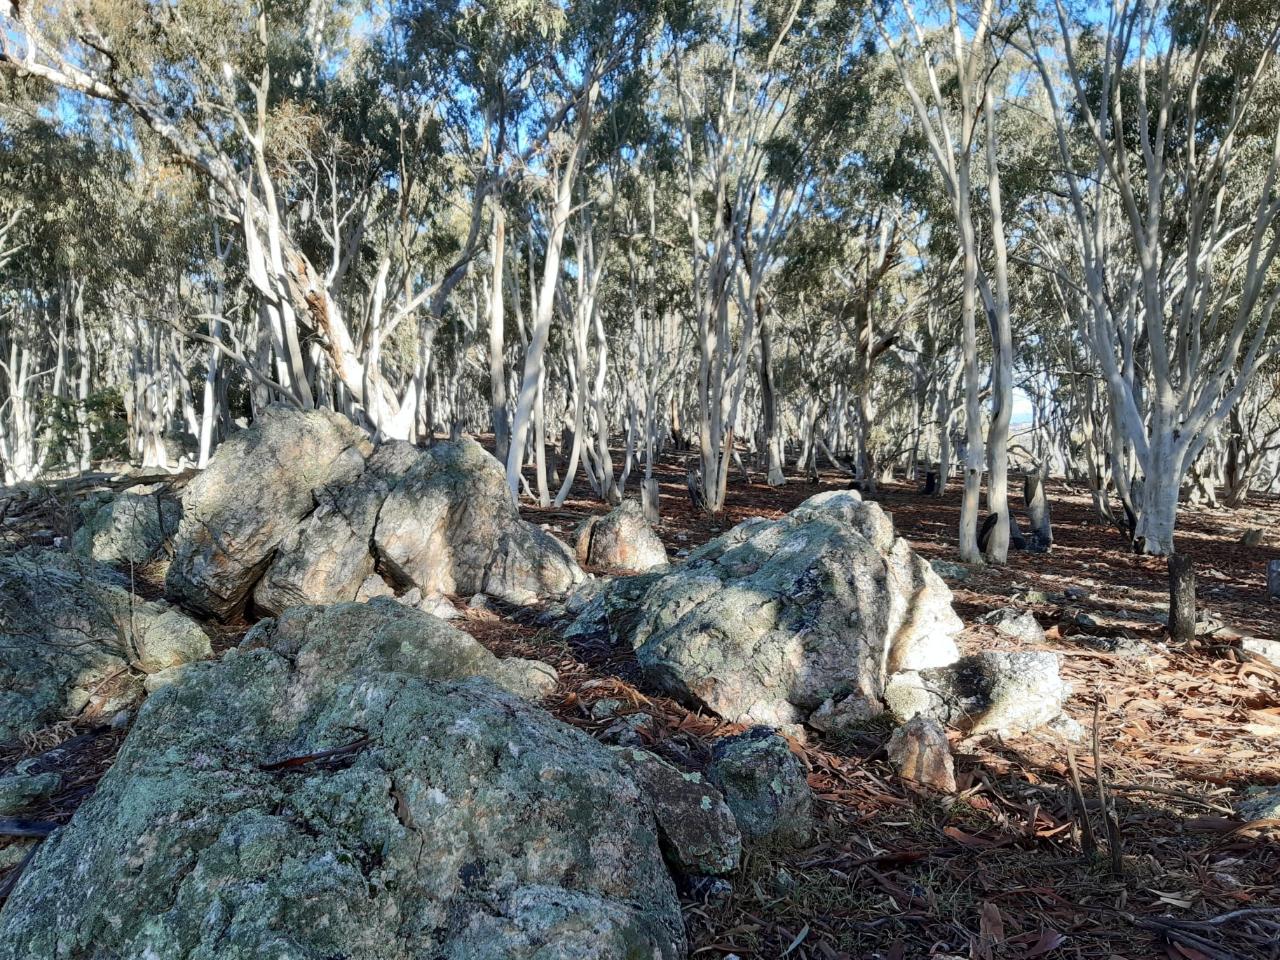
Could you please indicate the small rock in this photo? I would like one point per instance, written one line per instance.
(531, 679)
(987, 692)
(1260, 803)
(15, 852)
(1207, 624)
(949, 570)
(712, 891)
(1018, 625)
(841, 716)
(1068, 728)
(783, 882)
(373, 586)
(122, 719)
(1035, 596)
(625, 731)
(695, 826)
(1076, 593)
(18, 790)
(919, 751)
(765, 786)
(620, 540)
(1268, 650)
(161, 679)
(580, 596)
(606, 708)
(1127, 647)
(438, 606)
(1252, 537)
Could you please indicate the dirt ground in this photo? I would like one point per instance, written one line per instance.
(1002, 869)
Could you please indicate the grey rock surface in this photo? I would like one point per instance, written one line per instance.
(326, 558)
(777, 619)
(1260, 803)
(765, 786)
(621, 540)
(324, 791)
(74, 641)
(449, 526)
(18, 790)
(697, 829)
(991, 691)
(921, 754)
(1018, 625)
(404, 639)
(1268, 650)
(129, 528)
(255, 491)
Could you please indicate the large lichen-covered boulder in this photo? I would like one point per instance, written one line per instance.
(316, 795)
(255, 490)
(74, 641)
(620, 540)
(449, 526)
(327, 557)
(791, 620)
(131, 528)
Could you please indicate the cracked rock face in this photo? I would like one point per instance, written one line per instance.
(1005, 693)
(789, 620)
(326, 791)
(449, 526)
(698, 832)
(74, 641)
(251, 496)
(327, 557)
(301, 509)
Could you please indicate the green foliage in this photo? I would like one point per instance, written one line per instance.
(102, 413)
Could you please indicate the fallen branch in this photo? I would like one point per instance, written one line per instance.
(290, 763)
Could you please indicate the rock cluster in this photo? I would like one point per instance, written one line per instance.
(328, 790)
(300, 508)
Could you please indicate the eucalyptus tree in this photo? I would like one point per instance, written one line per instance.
(957, 66)
(760, 91)
(591, 50)
(1168, 133)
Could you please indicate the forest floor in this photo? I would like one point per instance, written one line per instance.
(999, 871)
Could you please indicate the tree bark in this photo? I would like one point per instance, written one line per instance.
(1182, 598)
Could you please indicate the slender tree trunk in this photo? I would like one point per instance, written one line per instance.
(497, 319)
